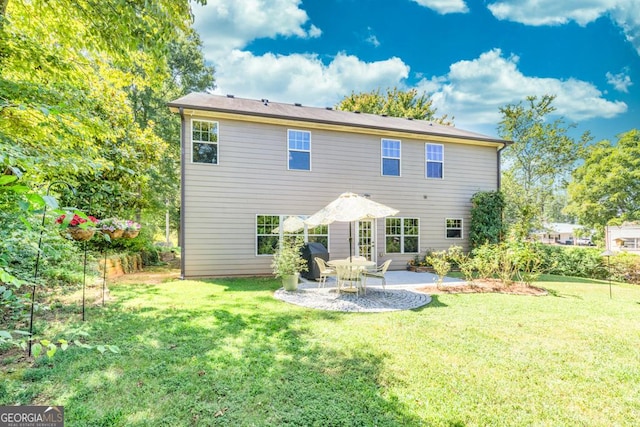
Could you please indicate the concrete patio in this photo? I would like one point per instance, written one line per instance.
(400, 294)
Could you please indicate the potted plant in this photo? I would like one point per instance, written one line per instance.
(77, 226)
(288, 262)
(112, 227)
(131, 229)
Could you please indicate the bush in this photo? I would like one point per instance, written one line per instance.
(625, 267)
(508, 261)
(573, 261)
(440, 263)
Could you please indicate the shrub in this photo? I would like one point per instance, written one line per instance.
(440, 263)
(625, 267)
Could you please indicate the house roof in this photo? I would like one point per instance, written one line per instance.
(562, 227)
(296, 112)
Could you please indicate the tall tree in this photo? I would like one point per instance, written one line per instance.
(395, 103)
(83, 92)
(83, 98)
(606, 187)
(539, 162)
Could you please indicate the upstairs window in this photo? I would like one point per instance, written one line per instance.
(390, 157)
(204, 142)
(454, 228)
(434, 154)
(299, 150)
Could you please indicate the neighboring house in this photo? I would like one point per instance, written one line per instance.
(563, 233)
(249, 164)
(625, 237)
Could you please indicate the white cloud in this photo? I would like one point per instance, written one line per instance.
(474, 90)
(625, 13)
(444, 6)
(304, 78)
(620, 81)
(225, 25)
(372, 38)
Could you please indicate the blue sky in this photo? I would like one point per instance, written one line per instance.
(470, 56)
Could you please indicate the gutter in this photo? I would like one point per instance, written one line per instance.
(183, 150)
(475, 138)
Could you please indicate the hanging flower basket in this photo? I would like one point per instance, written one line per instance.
(130, 234)
(115, 234)
(112, 227)
(70, 227)
(80, 234)
(131, 229)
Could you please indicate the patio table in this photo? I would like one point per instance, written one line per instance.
(349, 270)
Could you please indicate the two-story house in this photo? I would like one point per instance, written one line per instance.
(247, 165)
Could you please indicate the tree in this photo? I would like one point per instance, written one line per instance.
(83, 92)
(539, 162)
(83, 99)
(395, 103)
(606, 187)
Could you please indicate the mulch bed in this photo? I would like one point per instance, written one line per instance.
(486, 286)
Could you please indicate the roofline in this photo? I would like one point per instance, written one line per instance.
(189, 108)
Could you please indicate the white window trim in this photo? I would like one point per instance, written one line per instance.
(433, 161)
(281, 233)
(382, 157)
(255, 231)
(402, 235)
(205, 142)
(300, 151)
(451, 228)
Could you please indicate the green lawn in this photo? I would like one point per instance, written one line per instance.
(225, 352)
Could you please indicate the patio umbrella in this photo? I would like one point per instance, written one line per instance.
(349, 207)
(291, 224)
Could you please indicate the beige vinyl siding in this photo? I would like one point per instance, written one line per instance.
(222, 201)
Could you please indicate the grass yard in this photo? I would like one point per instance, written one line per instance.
(226, 353)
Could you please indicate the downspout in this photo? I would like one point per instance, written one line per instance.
(182, 191)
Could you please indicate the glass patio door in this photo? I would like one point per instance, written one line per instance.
(365, 243)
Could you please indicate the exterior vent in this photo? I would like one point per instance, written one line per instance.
(265, 101)
(297, 104)
(357, 112)
(409, 118)
(384, 115)
(230, 96)
(329, 108)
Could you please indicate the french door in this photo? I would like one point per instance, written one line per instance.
(365, 244)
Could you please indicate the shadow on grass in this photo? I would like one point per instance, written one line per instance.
(217, 362)
(435, 303)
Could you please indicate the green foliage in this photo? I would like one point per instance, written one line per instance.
(288, 259)
(440, 262)
(394, 103)
(487, 225)
(508, 261)
(625, 267)
(539, 162)
(83, 100)
(606, 187)
(572, 261)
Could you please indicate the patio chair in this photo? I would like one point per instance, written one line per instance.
(347, 276)
(325, 271)
(378, 273)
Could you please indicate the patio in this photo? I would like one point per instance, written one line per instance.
(400, 294)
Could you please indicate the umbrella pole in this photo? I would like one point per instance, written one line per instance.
(350, 242)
